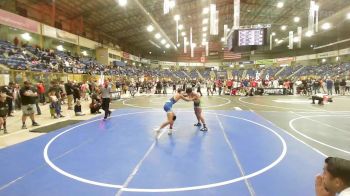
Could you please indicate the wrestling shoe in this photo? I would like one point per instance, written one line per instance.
(204, 129)
(198, 125)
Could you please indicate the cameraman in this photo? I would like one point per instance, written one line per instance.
(29, 96)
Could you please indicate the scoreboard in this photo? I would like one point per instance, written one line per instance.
(251, 37)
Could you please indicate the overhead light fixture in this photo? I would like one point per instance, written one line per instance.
(180, 27)
(280, 4)
(205, 10)
(273, 33)
(205, 28)
(348, 16)
(178, 45)
(177, 17)
(164, 51)
(157, 35)
(337, 58)
(284, 27)
(150, 52)
(309, 34)
(205, 21)
(326, 26)
(183, 33)
(26, 36)
(167, 45)
(60, 48)
(122, 2)
(84, 53)
(204, 34)
(163, 41)
(223, 39)
(324, 60)
(297, 19)
(150, 28)
(276, 40)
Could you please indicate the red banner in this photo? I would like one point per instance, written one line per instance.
(16, 21)
(126, 55)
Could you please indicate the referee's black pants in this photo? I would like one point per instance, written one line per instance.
(105, 106)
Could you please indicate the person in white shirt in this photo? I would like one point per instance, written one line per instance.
(335, 178)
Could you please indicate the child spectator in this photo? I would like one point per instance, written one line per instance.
(55, 108)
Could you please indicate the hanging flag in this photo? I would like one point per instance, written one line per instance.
(291, 39)
(300, 31)
(311, 20)
(236, 13)
(214, 20)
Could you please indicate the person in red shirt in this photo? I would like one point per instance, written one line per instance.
(41, 91)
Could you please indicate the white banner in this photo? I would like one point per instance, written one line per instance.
(311, 24)
(344, 51)
(291, 39)
(300, 31)
(185, 45)
(327, 54)
(236, 13)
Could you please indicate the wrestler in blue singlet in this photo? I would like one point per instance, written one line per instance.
(169, 104)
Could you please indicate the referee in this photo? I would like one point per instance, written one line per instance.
(106, 99)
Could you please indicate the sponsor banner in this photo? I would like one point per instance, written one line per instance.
(59, 34)
(155, 62)
(146, 61)
(196, 64)
(344, 51)
(274, 91)
(312, 56)
(134, 58)
(183, 64)
(286, 59)
(88, 43)
(246, 62)
(302, 58)
(327, 54)
(126, 55)
(167, 63)
(20, 22)
(265, 62)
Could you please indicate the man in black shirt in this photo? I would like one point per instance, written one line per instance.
(69, 90)
(29, 96)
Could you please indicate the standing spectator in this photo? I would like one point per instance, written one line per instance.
(336, 86)
(29, 96)
(41, 92)
(106, 98)
(69, 90)
(76, 92)
(3, 111)
(347, 86)
(329, 84)
(16, 41)
(9, 98)
(342, 85)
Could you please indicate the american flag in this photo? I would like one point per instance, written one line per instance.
(228, 55)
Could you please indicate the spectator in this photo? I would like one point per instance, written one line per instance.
(41, 92)
(335, 178)
(69, 90)
(29, 96)
(77, 109)
(55, 106)
(3, 111)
